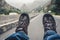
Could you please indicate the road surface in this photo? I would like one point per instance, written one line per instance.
(35, 29)
(10, 18)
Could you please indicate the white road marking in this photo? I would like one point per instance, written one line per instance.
(34, 18)
(9, 23)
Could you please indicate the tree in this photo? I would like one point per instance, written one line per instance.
(56, 8)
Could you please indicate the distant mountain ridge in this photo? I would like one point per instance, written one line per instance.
(5, 8)
(3, 4)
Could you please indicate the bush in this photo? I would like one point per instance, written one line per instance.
(56, 8)
(3, 11)
(14, 10)
(7, 11)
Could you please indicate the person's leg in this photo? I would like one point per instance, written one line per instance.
(48, 34)
(51, 35)
(49, 26)
(18, 36)
(21, 31)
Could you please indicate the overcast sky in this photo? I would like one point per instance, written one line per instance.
(30, 3)
(20, 1)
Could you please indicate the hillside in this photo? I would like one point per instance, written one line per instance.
(5, 8)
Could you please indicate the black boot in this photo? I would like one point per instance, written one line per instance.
(49, 23)
(23, 23)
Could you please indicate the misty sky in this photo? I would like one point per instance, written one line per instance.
(29, 3)
(20, 1)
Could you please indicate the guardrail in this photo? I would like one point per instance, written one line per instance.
(8, 26)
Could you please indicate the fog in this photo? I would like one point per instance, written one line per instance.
(28, 4)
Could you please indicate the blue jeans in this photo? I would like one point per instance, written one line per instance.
(18, 36)
(49, 35)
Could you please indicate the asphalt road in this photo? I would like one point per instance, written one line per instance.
(35, 29)
(10, 18)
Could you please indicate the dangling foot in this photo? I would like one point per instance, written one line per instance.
(23, 23)
(49, 23)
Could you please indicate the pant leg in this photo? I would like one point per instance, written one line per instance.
(48, 33)
(51, 35)
(18, 36)
(54, 37)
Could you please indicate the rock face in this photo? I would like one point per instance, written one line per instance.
(3, 4)
(5, 8)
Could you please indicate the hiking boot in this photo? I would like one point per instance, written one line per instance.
(23, 23)
(49, 22)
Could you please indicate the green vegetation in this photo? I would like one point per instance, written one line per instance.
(7, 11)
(56, 7)
(5, 8)
(15, 10)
